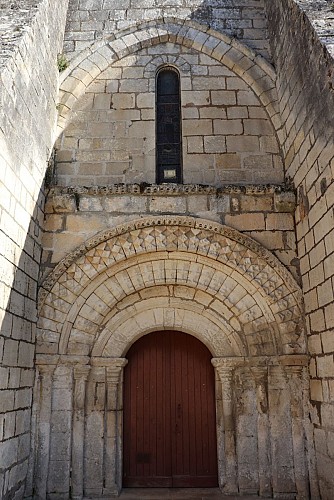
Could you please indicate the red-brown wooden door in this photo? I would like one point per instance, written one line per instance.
(169, 413)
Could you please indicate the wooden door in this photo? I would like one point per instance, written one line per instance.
(169, 413)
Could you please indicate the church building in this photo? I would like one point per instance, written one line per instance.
(166, 247)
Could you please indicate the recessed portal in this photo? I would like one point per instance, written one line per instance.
(169, 413)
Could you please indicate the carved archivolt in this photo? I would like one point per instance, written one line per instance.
(171, 272)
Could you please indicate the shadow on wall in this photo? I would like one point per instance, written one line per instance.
(248, 23)
(220, 15)
(17, 353)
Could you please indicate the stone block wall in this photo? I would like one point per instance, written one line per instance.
(28, 89)
(73, 215)
(91, 20)
(320, 13)
(305, 86)
(227, 134)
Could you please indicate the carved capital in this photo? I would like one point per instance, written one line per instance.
(294, 371)
(108, 362)
(297, 360)
(260, 374)
(81, 372)
(226, 366)
(114, 370)
(46, 372)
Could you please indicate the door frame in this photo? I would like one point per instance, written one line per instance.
(225, 425)
(213, 398)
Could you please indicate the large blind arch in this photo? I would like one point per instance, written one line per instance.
(168, 126)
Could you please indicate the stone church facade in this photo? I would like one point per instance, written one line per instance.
(167, 172)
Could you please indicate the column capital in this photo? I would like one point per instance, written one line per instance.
(294, 360)
(260, 373)
(46, 370)
(81, 372)
(294, 371)
(47, 360)
(225, 366)
(109, 362)
(114, 370)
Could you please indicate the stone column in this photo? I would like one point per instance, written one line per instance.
(283, 479)
(260, 374)
(225, 368)
(114, 422)
(78, 432)
(43, 432)
(296, 386)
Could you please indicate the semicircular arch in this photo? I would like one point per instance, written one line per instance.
(194, 264)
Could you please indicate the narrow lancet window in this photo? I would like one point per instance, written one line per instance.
(168, 128)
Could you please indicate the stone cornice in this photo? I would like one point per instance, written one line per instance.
(169, 189)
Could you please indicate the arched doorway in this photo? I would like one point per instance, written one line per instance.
(169, 413)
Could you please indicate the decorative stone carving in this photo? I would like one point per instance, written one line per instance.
(164, 189)
(142, 231)
(222, 246)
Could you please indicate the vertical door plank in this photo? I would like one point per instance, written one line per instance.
(169, 413)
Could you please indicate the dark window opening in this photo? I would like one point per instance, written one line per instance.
(168, 127)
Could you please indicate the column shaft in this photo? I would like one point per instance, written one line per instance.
(114, 419)
(225, 367)
(260, 375)
(298, 432)
(78, 437)
(43, 433)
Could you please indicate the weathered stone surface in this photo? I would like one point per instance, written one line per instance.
(308, 152)
(29, 46)
(243, 123)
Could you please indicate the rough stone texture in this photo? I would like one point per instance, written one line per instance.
(106, 285)
(321, 15)
(305, 86)
(28, 88)
(16, 17)
(189, 274)
(75, 214)
(89, 21)
(227, 134)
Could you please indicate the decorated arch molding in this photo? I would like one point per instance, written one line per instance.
(239, 58)
(164, 273)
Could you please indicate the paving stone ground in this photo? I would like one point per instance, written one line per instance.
(178, 494)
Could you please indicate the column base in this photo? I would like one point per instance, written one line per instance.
(230, 489)
(111, 492)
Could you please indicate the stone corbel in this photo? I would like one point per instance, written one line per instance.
(225, 368)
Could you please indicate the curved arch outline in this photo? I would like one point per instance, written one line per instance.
(172, 239)
(244, 62)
